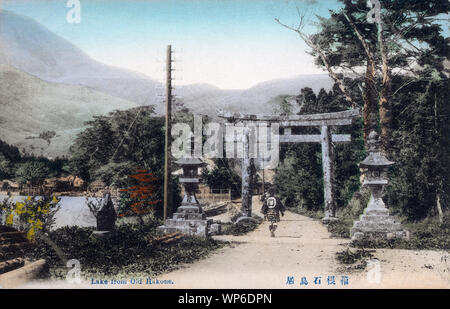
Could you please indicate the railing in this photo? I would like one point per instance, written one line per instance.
(213, 195)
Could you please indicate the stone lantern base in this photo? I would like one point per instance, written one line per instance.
(189, 220)
(376, 223)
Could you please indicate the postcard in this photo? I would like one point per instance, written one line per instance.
(224, 144)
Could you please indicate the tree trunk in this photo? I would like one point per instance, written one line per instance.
(440, 181)
(370, 92)
(384, 102)
(439, 208)
(370, 103)
(385, 114)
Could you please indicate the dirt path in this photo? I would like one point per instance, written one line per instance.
(303, 248)
(256, 260)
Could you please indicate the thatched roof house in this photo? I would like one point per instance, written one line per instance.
(9, 185)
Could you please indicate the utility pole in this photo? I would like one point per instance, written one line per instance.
(167, 170)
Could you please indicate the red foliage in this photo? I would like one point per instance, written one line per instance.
(142, 193)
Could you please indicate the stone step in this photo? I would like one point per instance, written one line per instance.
(375, 218)
(167, 229)
(377, 226)
(12, 243)
(15, 234)
(189, 216)
(388, 221)
(5, 256)
(11, 265)
(376, 212)
(12, 237)
(6, 229)
(15, 246)
(180, 222)
(189, 209)
(377, 235)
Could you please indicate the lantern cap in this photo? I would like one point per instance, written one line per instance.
(375, 158)
(190, 161)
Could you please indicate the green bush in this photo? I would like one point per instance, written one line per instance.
(319, 214)
(349, 214)
(340, 228)
(128, 250)
(353, 260)
(242, 227)
(349, 257)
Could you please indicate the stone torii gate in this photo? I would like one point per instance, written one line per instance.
(323, 121)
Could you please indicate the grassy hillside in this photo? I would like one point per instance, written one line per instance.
(30, 107)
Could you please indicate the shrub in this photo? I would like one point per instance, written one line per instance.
(129, 250)
(33, 214)
(353, 260)
(319, 214)
(241, 228)
(349, 257)
(349, 214)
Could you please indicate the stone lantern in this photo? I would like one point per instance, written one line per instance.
(376, 222)
(189, 218)
(190, 180)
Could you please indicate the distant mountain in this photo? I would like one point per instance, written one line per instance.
(30, 107)
(258, 99)
(30, 47)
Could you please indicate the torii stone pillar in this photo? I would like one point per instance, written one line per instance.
(247, 177)
(328, 174)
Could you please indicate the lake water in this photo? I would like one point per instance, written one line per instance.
(73, 211)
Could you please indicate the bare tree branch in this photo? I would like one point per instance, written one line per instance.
(360, 38)
(403, 86)
(322, 56)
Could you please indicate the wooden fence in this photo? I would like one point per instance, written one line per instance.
(206, 194)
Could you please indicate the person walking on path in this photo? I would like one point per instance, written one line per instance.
(271, 209)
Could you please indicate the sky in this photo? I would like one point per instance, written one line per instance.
(232, 44)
